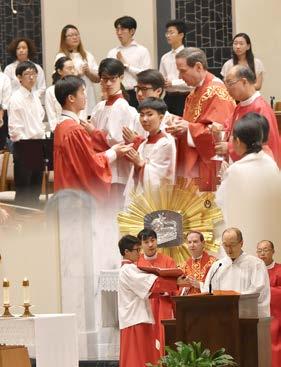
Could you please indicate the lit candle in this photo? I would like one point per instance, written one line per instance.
(25, 284)
(6, 293)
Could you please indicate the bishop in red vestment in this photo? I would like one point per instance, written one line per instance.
(240, 82)
(138, 341)
(209, 102)
(197, 266)
(161, 303)
(265, 251)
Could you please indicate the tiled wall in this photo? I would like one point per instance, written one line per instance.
(26, 23)
(209, 24)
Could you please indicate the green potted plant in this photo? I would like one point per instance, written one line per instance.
(192, 355)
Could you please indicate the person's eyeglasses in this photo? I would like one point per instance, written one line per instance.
(72, 35)
(29, 74)
(170, 33)
(112, 79)
(142, 89)
(265, 250)
(229, 83)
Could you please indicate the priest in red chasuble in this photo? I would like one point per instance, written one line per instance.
(208, 102)
(265, 251)
(198, 265)
(161, 303)
(77, 165)
(240, 83)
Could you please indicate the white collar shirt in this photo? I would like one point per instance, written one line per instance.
(137, 58)
(25, 116)
(5, 91)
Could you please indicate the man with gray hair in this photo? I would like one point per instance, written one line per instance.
(208, 102)
(240, 83)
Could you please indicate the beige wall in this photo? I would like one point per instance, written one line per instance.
(261, 20)
(95, 19)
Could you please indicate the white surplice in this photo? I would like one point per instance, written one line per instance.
(112, 119)
(250, 197)
(133, 296)
(247, 274)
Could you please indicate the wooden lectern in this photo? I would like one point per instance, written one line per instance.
(223, 321)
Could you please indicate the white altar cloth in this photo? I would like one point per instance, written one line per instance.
(51, 339)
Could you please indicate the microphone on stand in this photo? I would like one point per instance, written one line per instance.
(210, 284)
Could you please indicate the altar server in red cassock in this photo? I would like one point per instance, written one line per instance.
(138, 344)
(240, 82)
(161, 303)
(197, 266)
(77, 165)
(265, 251)
(208, 102)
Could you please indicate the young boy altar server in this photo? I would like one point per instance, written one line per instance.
(155, 160)
(138, 344)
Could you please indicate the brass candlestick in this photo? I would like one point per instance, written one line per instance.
(7, 312)
(27, 312)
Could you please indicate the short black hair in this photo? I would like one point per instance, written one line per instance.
(126, 22)
(237, 232)
(202, 239)
(265, 127)
(146, 233)
(249, 130)
(127, 243)
(177, 23)
(110, 66)
(66, 86)
(22, 66)
(245, 72)
(59, 64)
(154, 103)
(152, 77)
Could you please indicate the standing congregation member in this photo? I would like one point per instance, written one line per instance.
(84, 62)
(240, 83)
(265, 251)
(134, 56)
(250, 192)
(197, 266)
(23, 49)
(77, 165)
(138, 344)
(209, 101)
(240, 272)
(5, 94)
(176, 88)
(242, 54)
(26, 122)
(161, 303)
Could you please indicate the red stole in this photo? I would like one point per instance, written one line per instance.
(198, 268)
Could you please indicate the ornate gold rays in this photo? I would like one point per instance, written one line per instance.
(198, 211)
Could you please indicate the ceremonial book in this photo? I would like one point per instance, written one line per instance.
(163, 272)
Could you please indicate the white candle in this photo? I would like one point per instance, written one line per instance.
(6, 292)
(26, 297)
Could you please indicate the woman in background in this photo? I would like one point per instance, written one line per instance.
(84, 62)
(23, 49)
(242, 54)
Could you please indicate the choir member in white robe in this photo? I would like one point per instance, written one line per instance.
(250, 192)
(240, 272)
(155, 159)
(138, 343)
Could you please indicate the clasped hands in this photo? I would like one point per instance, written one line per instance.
(188, 281)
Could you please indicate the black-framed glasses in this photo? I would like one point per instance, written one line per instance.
(136, 249)
(137, 89)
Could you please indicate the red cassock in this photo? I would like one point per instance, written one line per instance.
(259, 105)
(275, 309)
(205, 104)
(137, 342)
(198, 268)
(161, 305)
(77, 165)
